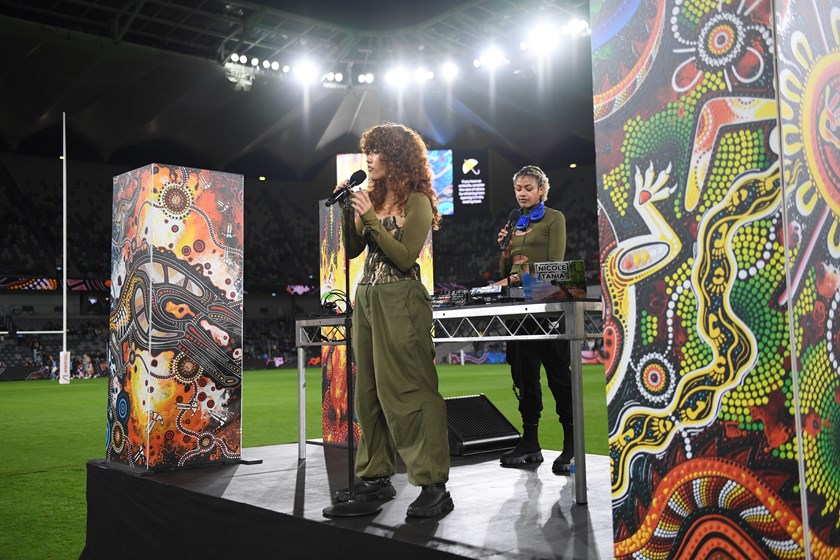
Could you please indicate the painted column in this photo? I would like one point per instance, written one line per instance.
(175, 343)
(808, 50)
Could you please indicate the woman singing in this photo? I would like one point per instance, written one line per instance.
(397, 401)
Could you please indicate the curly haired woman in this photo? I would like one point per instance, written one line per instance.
(399, 407)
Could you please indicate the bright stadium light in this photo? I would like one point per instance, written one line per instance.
(397, 77)
(234, 57)
(306, 72)
(543, 39)
(493, 58)
(422, 75)
(449, 70)
(577, 28)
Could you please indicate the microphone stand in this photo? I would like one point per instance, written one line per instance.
(350, 508)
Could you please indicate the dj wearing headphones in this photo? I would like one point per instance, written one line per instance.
(538, 235)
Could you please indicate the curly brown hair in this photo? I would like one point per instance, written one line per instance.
(404, 152)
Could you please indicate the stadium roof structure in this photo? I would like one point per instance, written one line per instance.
(175, 81)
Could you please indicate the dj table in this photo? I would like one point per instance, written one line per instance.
(570, 320)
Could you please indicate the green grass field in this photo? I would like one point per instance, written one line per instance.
(50, 431)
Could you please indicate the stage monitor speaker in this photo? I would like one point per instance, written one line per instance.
(477, 426)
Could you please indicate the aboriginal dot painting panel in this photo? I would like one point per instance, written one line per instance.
(334, 358)
(333, 284)
(701, 393)
(808, 46)
(175, 343)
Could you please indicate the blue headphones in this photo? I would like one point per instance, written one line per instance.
(535, 215)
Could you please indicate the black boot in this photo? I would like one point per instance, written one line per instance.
(379, 488)
(526, 451)
(433, 500)
(561, 463)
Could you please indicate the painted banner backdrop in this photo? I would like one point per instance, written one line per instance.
(175, 344)
(808, 46)
(707, 422)
(333, 284)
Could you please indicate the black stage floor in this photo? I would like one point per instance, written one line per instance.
(274, 509)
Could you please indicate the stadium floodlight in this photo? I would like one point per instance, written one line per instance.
(306, 72)
(255, 61)
(449, 70)
(266, 64)
(369, 78)
(234, 57)
(286, 68)
(275, 65)
(242, 77)
(397, 77)
(493, 58)
(543, 39)
(577, 27)
(422, 75)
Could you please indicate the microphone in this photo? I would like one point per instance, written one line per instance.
(512, 219)
(355, 179)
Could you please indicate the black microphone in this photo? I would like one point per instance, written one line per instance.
(356, 178)
(512, 219)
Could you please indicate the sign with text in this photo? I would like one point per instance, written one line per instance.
(64, 367)
(471, 171)
(554, 280)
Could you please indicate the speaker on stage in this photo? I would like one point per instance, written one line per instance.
(477, 426)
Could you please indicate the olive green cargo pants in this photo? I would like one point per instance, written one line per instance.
(397, 401)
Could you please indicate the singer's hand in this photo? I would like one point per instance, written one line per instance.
(502, 234)
(361, 201)
(341, 185)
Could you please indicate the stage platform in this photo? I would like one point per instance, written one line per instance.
(274, 509)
